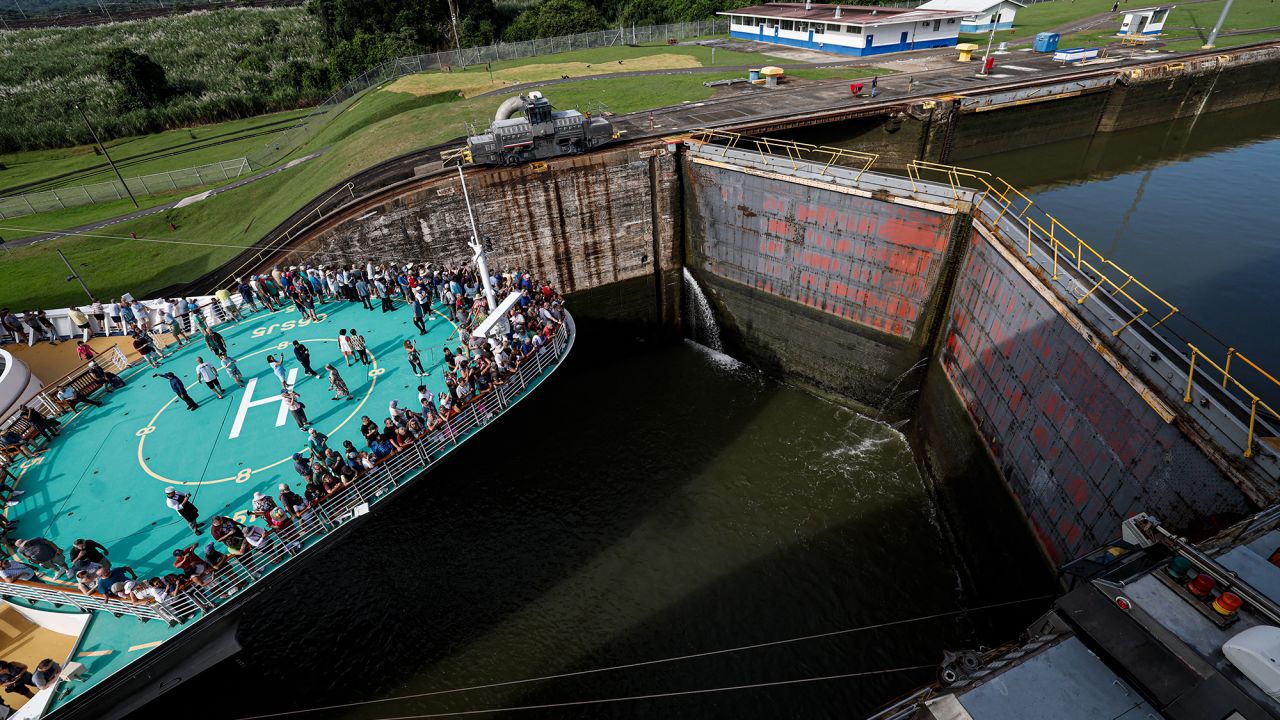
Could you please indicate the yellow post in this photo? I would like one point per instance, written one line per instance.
(1029, 238)
(1226, 370)
(1253, 413)
(1191, 372)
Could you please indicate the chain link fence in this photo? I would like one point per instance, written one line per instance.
(285, 144)
(77, 195)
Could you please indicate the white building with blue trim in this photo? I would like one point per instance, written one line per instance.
(982, 15)
(845, 29)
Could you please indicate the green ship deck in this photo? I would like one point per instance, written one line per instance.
(104, 477)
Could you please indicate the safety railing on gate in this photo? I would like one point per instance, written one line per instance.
(997, 199)
(794, 152)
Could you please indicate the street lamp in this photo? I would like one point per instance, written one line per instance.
(76, 276)
(110, 162)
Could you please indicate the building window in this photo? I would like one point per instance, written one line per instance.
(951, 21)
(788, 25)
(937, 25)
(855, 29)
(819, 28)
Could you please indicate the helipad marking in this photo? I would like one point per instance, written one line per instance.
(244, 474)
(144, 646)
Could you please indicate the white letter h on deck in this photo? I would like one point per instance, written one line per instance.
(247, 401)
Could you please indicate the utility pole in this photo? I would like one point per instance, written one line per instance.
(24, 12)
(105, 12)
(110, 162)
(457, 40)
(1213, 36)
(990, 39)
(76, 276)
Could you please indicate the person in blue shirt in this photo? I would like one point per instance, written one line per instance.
(175, 384)
(107, 578)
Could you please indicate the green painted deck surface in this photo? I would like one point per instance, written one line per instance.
(104, 478)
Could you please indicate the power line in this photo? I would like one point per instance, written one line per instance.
(655, 696)
(644, 663)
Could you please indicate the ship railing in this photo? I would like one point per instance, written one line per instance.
(287, 235)
(351, 501)
(1217, 394)
(57, 596)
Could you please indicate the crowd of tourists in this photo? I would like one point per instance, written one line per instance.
(471, 369)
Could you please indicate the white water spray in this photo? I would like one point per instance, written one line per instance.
(703, 327)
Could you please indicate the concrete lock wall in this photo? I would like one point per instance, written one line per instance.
(827, 287)
(601, 227)
(1080, 448)
(848, 292)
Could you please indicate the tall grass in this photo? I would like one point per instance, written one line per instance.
(43, 72)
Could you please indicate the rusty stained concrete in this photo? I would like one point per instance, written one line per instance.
(583, 222)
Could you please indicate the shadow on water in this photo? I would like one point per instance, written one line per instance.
(644, 505)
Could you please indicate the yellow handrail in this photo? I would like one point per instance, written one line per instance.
(795, 152)
(1062, 243)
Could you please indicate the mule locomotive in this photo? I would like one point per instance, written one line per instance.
(541, 133)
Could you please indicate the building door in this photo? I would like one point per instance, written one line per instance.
(904, 39)
(761, 31)
(810, 38)
(775, 32)
(870, 40)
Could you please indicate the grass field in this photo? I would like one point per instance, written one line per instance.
(1190, 20)
(170, 150)
(478, 79)
(379, 126)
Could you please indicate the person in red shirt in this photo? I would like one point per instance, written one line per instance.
(84, 351)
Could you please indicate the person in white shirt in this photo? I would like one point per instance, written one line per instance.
(208, 375)
(113, 310)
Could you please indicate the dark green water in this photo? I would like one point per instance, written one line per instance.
(646, 503)
(649, 502)
(1186, 208)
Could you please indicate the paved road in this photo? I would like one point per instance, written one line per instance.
(31, 240)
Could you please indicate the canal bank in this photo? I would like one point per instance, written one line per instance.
(673, 501)
(987, 526)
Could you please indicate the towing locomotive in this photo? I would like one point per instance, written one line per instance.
(542, 132)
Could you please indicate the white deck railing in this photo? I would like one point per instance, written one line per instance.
(318, 523)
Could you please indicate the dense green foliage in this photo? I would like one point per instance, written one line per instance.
(552, 18)
(212, 65)
(140, 77)
(139, 80)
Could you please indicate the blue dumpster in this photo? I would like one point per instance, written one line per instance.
(1046, 42)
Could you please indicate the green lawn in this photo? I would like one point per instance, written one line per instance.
(1224, 41)
(1182, 22)
(170, 150)
(626, 52)
(376, 126)
(85, 214)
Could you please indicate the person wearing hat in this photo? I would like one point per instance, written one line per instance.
(181, 503)
(292, 501)
(263, 505)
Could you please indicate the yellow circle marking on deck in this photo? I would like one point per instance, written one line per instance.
(244, 474)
